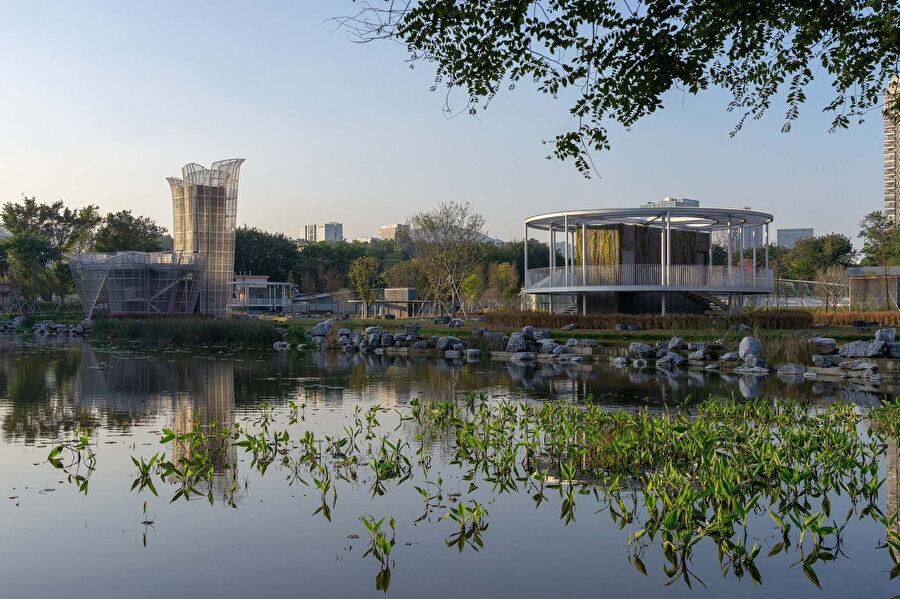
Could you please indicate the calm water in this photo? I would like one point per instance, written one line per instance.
(56, 542)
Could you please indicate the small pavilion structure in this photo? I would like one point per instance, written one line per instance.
(649, 259)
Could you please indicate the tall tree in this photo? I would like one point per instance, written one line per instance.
(809, 255)
(880, 245)
(64, 228)
(364, 278)
(121, 231)
(448, 241)
(260, 253)
(616, 61)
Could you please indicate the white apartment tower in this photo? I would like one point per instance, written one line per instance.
(891, 154)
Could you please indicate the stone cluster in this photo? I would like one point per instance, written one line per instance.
(48, 328)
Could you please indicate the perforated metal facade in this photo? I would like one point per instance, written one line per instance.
(204, 201)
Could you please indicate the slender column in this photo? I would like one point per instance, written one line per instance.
(662, 250)
(767, 245)
(584, 304)
(552, 257)
(741, 254)
(730, 243)
(525, 274)
(663, 310)
(668, 248)
(755, 237)
(584, 253)
(566, 253)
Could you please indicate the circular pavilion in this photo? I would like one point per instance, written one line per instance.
(648, 259)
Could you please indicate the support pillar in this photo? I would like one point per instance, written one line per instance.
(584, 253)
(730, 243)
(662, 250)
(668, 248)
(552, 256)
(663, 311)
(566, 252)
(525, 268)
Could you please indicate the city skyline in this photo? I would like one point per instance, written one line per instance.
(347, 132)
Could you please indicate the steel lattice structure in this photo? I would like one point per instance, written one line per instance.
(204, 202)
(138, 282)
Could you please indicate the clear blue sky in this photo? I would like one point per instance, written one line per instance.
(100, 101)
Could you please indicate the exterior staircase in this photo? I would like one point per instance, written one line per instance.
(706, 301)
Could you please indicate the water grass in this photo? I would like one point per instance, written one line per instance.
(194, 332)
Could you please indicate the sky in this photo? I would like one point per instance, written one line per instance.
(101, 101)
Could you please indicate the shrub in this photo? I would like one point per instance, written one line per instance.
(186, 332)
(847, 318)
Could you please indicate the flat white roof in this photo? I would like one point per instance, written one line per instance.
(685, 218)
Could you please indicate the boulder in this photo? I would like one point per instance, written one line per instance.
(820, 361)
(863, 349)
(569, 327)
(699, 354)
(670, 360)
(754, 361)
(893, 349)
(558, 350)
(323, 328)
(823, 345)
(281, 346)
(344, 332)
(712, 366)
(522, 356)
(620, 362)
(698, 346)
(729, 357)
(758, 370)
(621, 327)
(374, 340)
(447, 342)
(541, 334)
(589, 343)
(639, 363)
(420, 345)
(792, 369)
(676, 343)
(517, 343)
(371, 330)
(528, 333)
(640, 350)
(854, 365)
(661, 345)
(886, 335)
(819, 325)
(473, 353)
(573, 343)
(750, 346)
(662, 352)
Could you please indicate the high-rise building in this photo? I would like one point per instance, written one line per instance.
(787, 238)
(205, 206)
(672, 203)
(386, 232)
(322, 232)
(891, 153)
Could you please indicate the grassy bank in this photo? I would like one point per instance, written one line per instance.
(185, 332)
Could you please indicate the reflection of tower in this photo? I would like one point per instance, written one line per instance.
(205, 207)
(206, 398)
(892, 469)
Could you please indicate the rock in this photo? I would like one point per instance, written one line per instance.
(729, 357)
(670, 360)
(640, 350)
(573, 343)
(589, 343)
(456, 323)
(528, 333)
(78, 329)
(378, 351)
(661, 345)
(712, 366)
(639, 363)
(522, 356)
(569, 327)
(399, 338)
(281, 346)
(374, 340)
(792, 369)
(452, 354)
(344, 332)
(517, 343)
(621, 327)
(438, 321)
(676, 343)
(886, 335)
(473, 353)
(893, 350)
(387, 339)
(632, 327)
(759, 370)
(662, 352)
(420, 345)
(620, 362)
(323, 328)
(448, 342)
(802, 332)
(823, 345)
(854, 365)
(345, 316)
(820, 361)
(698, 346)
(863, 349)
(699, 354)
(576, 359)
(750, 346)
(558, 350)
(541, 334)
(755, 361)
(742, 328)
(819, 325)
(371, 330)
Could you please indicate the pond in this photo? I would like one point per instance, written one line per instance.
(319, 448)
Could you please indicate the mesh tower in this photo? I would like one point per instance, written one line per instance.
(891, 153)
(205, 207)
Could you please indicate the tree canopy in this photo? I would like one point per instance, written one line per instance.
(615, 60)
(121, 231)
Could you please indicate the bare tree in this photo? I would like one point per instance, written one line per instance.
(448, 239)
(830, 283)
